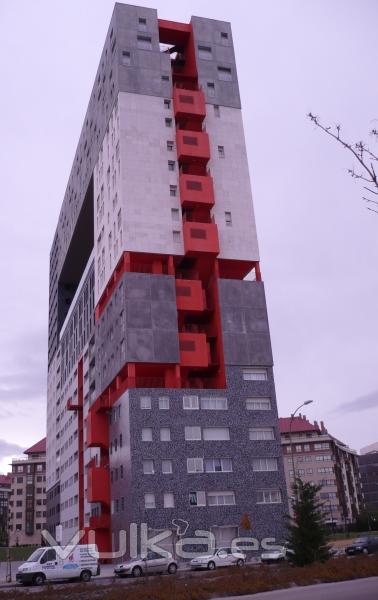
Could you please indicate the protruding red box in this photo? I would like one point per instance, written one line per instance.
(193, 350)
(196, 190)
(192, 146)
(189, 104)
(97, 430)
(98, 485)
(189, 295)
(99, 521)
(200, 238)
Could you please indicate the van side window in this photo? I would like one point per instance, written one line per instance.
(48, 556)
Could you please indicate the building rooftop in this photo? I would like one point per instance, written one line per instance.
(300, 424)
(5, 480)
(38, 448)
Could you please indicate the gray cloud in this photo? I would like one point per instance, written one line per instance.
(8, 450)
(366, 402)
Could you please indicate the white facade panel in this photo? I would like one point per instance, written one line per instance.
(232, 186)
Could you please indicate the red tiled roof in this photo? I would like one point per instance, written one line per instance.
(300, 424)
(5, 480)
(38, 448)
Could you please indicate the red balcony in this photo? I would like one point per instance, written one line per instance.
(193, 350)
(189, 295)
(189, 105)
(97, 430)
(196, 190)
(99, 521)
(98, 485)
(200, 238)
(192, 146)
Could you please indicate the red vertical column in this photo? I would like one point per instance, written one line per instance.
(80, 416)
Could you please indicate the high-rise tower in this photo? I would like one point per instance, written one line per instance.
(161, 401)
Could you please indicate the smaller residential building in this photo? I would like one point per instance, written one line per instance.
(368, 462)
(27, 504)
(5, 490)
(318, 457)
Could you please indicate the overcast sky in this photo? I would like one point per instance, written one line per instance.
(318, 243)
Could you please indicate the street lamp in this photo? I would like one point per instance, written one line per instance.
(291, 441)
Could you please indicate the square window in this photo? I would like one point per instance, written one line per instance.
(165, 77)
(142, 24)
(194, 465)
(168, 122)
(228, 219)
(210, 89)
(175, 213)
(224, 35)
(145, 403)
(216, 110)
(164, 403)
(148, 467)
(197, 498)
(166, 467)
(149, 500)
(204, 52)
(176, 236)
(261, 433)
(255, 374)
(167, 103)
(165, 434)
(193, 433)
(173, 190)
(170, 146)
(171, 165)
(126, 58)
(147, 434)
(144, 42)
(221, 151)
(216, 433)
(224, 74)
(190, 402)
(168, 500)
(258, 404)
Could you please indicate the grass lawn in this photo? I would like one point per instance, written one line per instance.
(222, 582)
(17, 552)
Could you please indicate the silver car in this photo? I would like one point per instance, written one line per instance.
(153, 563)
(219, 557)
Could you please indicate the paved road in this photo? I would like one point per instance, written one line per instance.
(357, 589)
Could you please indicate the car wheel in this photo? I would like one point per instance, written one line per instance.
(137, 572)
(240, 562)
(85, 576)
(365, 551)
(39, 579)
(172, 568)
(211, 565)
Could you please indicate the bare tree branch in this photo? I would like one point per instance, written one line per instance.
(361, 152)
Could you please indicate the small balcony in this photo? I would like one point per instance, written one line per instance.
(189, 105)
(190, 295)
(193, 146)
(196, 190)
(98, 485)
(97, 430)
(194, 350)
(200, 238)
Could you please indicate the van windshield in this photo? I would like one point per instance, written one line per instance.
(36, 555)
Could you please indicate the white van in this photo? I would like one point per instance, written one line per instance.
(47, 564)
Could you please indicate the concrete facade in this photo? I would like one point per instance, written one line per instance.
(27, 504)
(121, 316)
(368, 463)
(322, 459)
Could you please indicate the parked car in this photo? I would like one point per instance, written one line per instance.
(219, 557)
(363, 545)
(277, 555)
(153, 563)
(46, 564)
